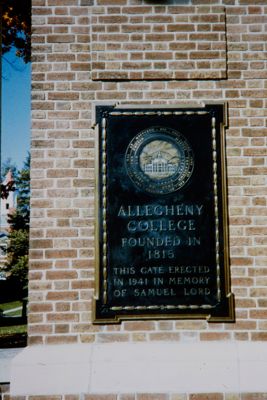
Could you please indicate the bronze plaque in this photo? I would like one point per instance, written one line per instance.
(161, 233)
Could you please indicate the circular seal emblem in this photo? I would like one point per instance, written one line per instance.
(159, 160)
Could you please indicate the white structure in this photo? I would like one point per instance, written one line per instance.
(9, 204)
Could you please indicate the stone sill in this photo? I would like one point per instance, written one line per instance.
(204, 367)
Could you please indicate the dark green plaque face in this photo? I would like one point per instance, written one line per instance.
(162, 249)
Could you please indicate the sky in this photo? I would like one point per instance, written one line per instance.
(15, 119)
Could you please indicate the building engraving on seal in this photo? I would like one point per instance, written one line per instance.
(161, 163)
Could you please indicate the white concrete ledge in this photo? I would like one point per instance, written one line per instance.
(141, 368)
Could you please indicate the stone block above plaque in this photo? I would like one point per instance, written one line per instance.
(162, 230)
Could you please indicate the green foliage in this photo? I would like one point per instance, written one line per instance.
(10, 305)
(6, 166)
(13, 336)
(16, 27)
(18, 246)
(20, 273)
(13, 329)
(17, 259)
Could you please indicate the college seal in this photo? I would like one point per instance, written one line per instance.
(159, 160)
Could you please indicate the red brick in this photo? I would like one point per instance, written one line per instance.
(61, 339)
(253, 396)
(152, 396)
(61, 275)
(43, 397)
(100, 396)
(40, 307)
(206, 396)
(139, 326)
(62, 317)
(259, 336)
(165, 336)
(62, 295)
(109, 338)
(211, 336)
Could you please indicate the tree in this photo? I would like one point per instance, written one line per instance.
(6, 188)
(17, 260)
(8, 165)
(16, 27)
(18, 246)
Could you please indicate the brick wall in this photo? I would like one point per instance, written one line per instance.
(89, 51)
(146, 43)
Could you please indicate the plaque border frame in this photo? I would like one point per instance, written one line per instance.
(117, 110)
